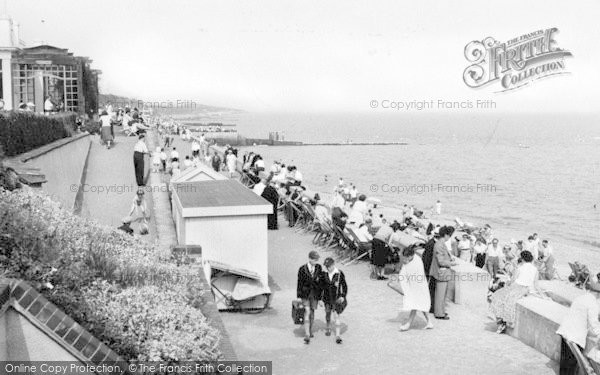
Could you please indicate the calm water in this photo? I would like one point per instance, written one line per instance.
(521, 174)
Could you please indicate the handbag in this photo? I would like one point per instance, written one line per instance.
(340, 307)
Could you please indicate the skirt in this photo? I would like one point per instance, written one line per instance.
(504, 302)
(106, 134)
(379, 254)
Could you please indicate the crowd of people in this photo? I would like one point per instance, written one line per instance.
(424, 266)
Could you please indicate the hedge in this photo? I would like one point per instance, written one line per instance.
(127, 293)
(24, 131)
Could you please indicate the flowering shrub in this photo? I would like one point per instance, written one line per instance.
(24, 131)
(129, 294)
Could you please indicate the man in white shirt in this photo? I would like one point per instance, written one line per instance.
(492, 261)
(139, 150)
(545, 250)
(581, 319)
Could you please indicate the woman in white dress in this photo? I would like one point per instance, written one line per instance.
(231, 163)
(415, 287)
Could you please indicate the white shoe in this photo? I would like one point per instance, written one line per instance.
(404, 327)
(429, 326)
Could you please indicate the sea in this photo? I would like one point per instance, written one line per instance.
(521, 173)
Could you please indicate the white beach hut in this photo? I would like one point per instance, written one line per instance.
(200, 172)
(227, 220)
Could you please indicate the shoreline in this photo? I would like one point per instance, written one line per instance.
(564, 250)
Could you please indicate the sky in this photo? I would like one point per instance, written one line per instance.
(313, 56)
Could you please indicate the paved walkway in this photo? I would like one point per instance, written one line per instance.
(372, 343)
(110, 184)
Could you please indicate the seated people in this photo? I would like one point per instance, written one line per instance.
(321, 212)
(381, 250)
(259, 164)
(338, 217)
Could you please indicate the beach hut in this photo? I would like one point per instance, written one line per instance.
(201, 172)
(227, 220)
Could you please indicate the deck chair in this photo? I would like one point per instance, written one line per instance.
(327, 237)
(361, 247)
(585, 367)
(310, 218)
(246, 180)
(345, 244)
(580, 274)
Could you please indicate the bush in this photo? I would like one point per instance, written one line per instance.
(24, 131)
(127, 293)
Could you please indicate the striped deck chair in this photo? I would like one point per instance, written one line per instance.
(246, 180)
(325, 237)
(310, 218)
(362, 248)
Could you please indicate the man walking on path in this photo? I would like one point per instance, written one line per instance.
(139, 150)
(440, 271)
(309, 291)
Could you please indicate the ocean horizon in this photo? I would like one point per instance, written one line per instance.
(522, 173)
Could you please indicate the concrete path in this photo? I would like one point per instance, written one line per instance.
(110, 184)
(372, 343)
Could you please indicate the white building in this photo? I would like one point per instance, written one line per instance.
(227, 220)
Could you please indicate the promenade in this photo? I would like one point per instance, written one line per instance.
(467, 343)
(110, 186)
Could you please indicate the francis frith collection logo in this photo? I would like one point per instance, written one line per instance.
(515, 63)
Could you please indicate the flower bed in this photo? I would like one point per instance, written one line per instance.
(23, 131)
(127, 293)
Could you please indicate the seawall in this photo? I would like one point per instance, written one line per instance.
(62, 163)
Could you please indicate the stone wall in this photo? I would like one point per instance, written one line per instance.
(63, 164)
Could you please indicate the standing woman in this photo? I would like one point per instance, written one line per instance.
(335, 290)
(106, 129)
(139, 150)
(415, 287)
(479, 249)
(231, 161)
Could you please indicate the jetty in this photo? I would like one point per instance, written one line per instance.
(357, 144)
